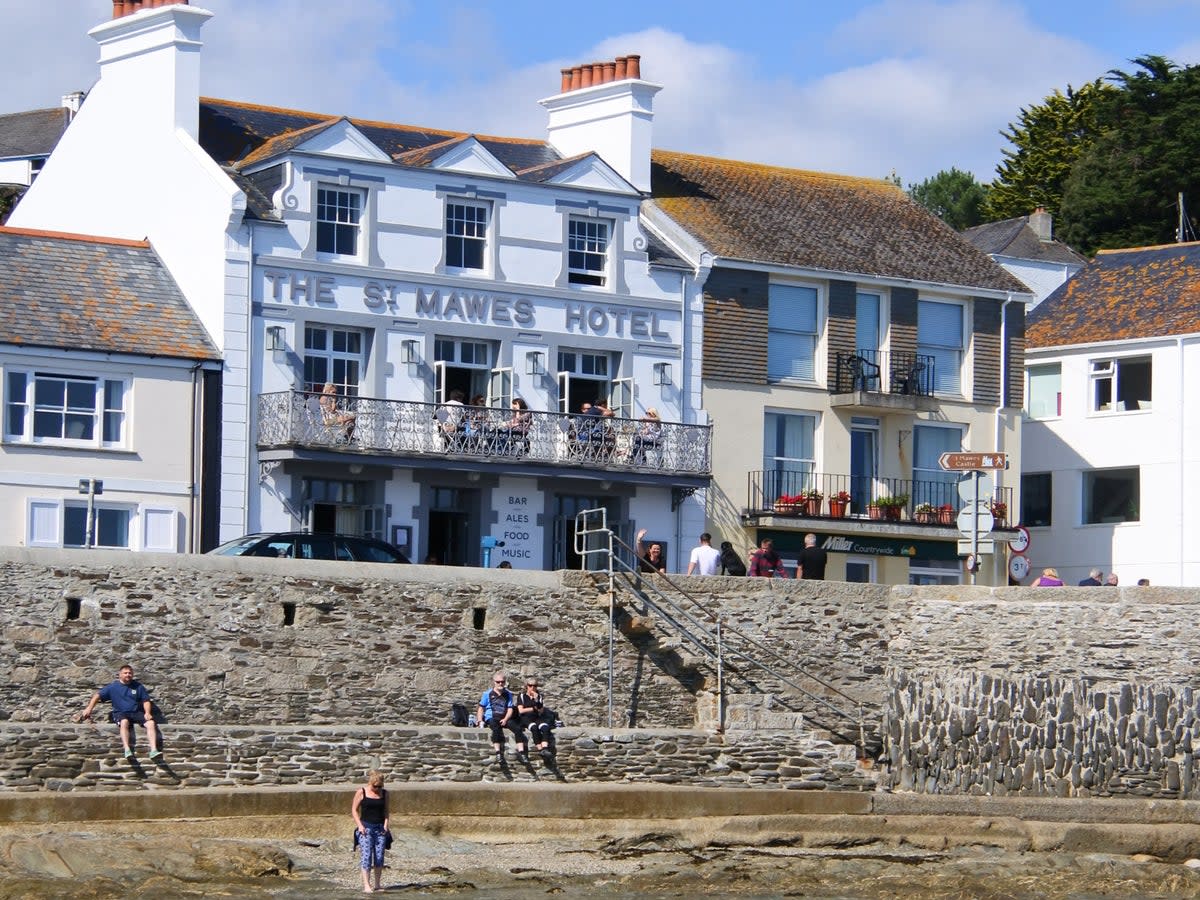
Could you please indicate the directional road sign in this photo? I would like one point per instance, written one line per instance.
(965, 462)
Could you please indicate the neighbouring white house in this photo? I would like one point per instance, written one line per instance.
(28, 137)
(1026, 247)
(386, 297)
(109, 382)
(1111, 444)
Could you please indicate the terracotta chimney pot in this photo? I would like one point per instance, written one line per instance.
(610, 71)
(566, 81)
(634, 65)
(620, 73)
(585, 76)
(597, 73)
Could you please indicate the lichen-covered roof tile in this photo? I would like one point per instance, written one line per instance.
(90, 293)
(1120, 295)
(815, 220)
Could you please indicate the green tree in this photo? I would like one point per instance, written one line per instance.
(953, 196)
(1122, 190)
(1046, 139)
(9, 195)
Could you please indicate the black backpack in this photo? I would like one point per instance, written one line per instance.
(731, 563)
(458, 715)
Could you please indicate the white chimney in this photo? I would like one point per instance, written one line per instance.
(150, 54)
(71, 103)
(1042, 224)
(605, 107)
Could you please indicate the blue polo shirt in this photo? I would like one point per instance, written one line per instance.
(125, 698)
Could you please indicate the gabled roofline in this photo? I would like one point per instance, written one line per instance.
(1095, 346)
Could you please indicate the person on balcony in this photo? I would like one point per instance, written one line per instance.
(332, 413)
(512, 438)
(451, 420)
(648, 437)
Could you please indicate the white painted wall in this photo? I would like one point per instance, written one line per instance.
(1043, 278)
(1164, 442)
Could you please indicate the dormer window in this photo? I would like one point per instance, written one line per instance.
(339, 221)
(587, 251)
(466, 235)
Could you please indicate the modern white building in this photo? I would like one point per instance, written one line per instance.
(109, 385)
(1112, 438)
(411, 270)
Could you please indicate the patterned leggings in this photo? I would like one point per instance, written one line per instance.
(370, 846)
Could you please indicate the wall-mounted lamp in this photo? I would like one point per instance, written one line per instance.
(408, 352)
(535, 363)
(662, 373)
(275, 338)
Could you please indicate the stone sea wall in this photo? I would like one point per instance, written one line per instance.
(37, 757)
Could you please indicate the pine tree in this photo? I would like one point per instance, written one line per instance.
(953, 196)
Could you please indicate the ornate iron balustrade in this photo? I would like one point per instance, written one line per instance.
(925, 502)
(367, 425)
(885, 372)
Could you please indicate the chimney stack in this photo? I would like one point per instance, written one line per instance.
(1042, 224)
(607, 108)
(129, 7)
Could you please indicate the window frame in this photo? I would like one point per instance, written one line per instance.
(1087, 495)
(50, 514)
(943, 485)
(356, 227)
(1030, 372)
(343, 368)
(30, 409)
(589, 277)
(1028, 493)
(947, 384)
(1097, 373)
(482, 241)
(779, 335)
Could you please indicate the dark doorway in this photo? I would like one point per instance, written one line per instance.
(448, 537)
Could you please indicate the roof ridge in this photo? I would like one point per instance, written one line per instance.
(377, 123)
(72, 236)
(1149, 247)
(787, 170)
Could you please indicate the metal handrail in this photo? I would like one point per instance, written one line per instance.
(617, 568)
(370, 425)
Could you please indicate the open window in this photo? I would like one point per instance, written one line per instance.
(463, 365)
(1121, 385)
(583, 377)
(500, 387)
(622, 397)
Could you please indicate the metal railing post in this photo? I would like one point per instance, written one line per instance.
(720, 681)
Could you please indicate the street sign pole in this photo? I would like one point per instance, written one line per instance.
(975, 530)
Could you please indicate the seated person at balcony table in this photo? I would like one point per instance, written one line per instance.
(647, 437)
(605, 434)
(450, 420)
(512, 438)
(765, 562)
(650, 561)
(332, 415)
(584, 426)
(475, 418)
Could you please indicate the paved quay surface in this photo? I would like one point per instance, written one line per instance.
(514, 842)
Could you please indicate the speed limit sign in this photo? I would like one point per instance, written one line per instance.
(1018, 567)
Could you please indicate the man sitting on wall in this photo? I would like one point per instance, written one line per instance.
(130, 704)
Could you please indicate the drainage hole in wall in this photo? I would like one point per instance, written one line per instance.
(73, 607)
(478, 615)
(289, 614)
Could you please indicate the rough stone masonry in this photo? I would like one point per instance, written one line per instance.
(1062, 692)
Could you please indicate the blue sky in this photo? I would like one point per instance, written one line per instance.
(860, 88)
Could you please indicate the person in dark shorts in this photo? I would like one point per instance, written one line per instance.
(812, 560)
(531, 714)
(130, 705)
(498, 711)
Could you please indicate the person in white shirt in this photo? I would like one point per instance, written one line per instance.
(705, 560)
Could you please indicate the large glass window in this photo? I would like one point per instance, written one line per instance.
(789, 454)
(1111, 495)
(1036, 499)
(1120, 385)
(1044, 397)
(339, 221)
(111, 526)
(791, 333)
(466, 235)
(52, 407)
(587, 251)
(932, 484)
(332, 356)
(940, 335)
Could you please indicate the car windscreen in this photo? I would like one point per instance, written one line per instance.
(372, 551)
(238, 546)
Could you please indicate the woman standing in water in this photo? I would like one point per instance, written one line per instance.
(370, 813)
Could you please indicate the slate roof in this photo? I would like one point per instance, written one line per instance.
(32, 133)
(1014, 237)
(814, 220)
(1123, 294)
(90, 293)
